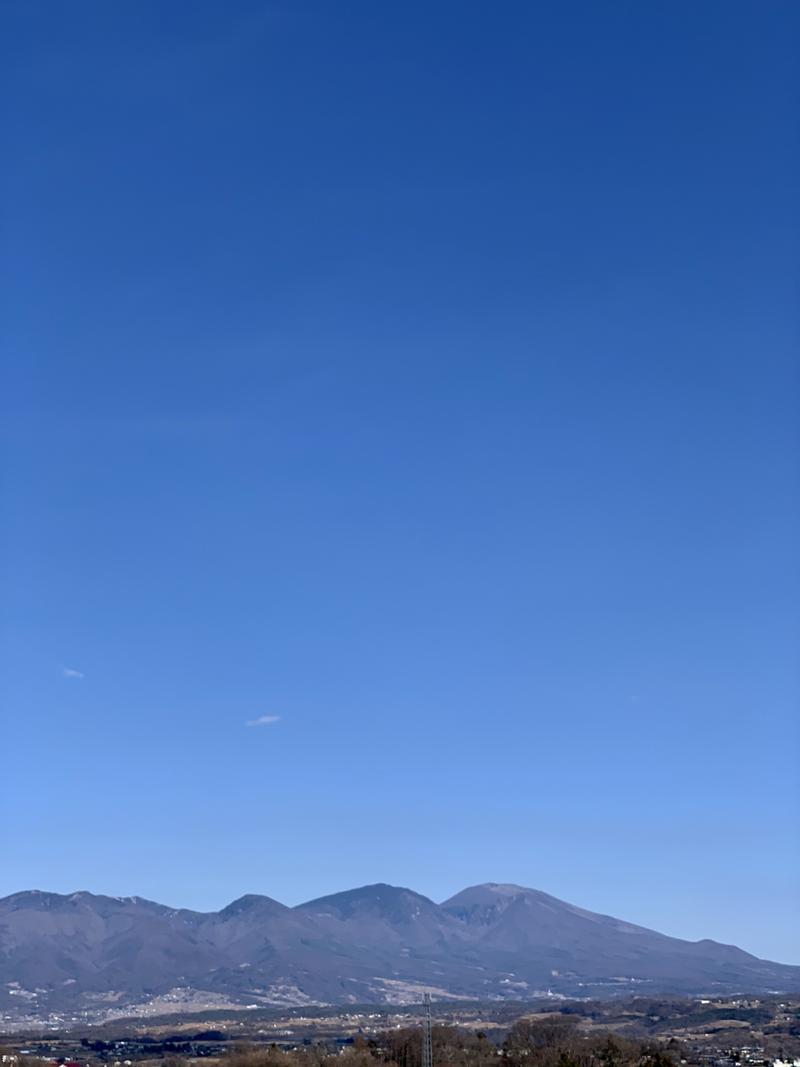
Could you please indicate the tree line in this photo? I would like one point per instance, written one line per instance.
(529, 1043)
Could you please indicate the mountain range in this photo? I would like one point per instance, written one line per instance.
(89, 954)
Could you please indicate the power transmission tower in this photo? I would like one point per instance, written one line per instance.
(427, 1033)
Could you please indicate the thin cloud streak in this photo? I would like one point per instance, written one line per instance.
(70, 672)
(263, 720)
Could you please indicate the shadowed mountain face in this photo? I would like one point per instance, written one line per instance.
(383, 916)
(375, 944)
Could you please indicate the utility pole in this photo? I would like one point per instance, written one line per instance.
(427, 1032)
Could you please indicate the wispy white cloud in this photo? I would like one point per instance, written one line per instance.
(70, 672)
(263, 720)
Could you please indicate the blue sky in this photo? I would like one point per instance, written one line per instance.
(421, 377)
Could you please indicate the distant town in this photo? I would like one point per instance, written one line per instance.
(636, 1032)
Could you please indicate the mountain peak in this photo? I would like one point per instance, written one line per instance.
(503, 889)
(252, 904)
(38, 900)
(486, 904)
(387, 901)
(34, 899)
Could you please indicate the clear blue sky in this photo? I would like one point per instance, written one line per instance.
(423, 374)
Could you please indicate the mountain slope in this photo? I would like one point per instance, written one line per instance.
(373, 944)
(540, 933)
(382, 915)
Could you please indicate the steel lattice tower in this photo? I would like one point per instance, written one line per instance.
(427, 1033)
